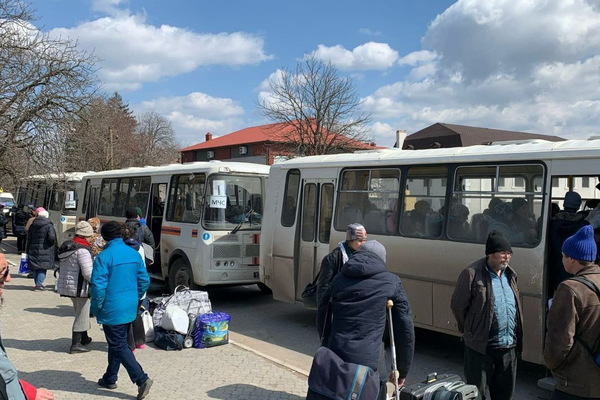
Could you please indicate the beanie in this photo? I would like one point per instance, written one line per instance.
(581, 246)
(139, 211)
(356, 231)
(572, 201)
(373, 246)
(111, 230)
(131, 213)
(496, 242)
(83, 229)
(43, 214)
(40, 209)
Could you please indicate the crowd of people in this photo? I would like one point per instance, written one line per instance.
(102, 270)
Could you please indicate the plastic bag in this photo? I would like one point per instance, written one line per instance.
(148, 326)
(175, 319)
(211, 329)
(23, 265)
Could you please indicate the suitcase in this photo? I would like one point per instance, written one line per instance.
(442, 387)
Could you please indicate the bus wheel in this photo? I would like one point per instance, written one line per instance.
(181, 274)
(264, 288)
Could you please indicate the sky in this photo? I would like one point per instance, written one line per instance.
(526, 65)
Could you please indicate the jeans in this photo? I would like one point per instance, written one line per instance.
(496, 370)
(120, 353)
(39, 276)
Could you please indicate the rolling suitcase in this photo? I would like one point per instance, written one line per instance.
(443, 387)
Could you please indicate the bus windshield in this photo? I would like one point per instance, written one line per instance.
(233, 202)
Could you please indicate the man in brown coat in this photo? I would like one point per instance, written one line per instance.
(574, 322)
(488, 311)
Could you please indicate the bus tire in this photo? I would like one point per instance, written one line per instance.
(264, 288)
(181, 274)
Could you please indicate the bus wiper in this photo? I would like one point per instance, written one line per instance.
(239, 225)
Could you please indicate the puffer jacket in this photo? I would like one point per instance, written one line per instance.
(472, 304)
(41, 244)
(75, 269)
(359, 295)
(575, 312)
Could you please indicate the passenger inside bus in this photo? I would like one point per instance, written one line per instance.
(501, 220)
(391, 219)
(414, 221)
(459, 227)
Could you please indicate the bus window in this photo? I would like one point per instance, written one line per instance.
(424, 201)
(326, 212)
(138, 194)
(185, 198)
(292, 187)
(108, 197)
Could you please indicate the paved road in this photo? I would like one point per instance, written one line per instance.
(270, 354)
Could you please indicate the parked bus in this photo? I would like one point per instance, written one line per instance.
(58, 194)
(429, 209)
(205, 217)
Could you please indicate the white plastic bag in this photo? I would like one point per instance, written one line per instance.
(148, 326)
(175, 319)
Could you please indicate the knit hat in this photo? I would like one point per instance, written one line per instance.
(373, 246)
(139, 212)
(581, 246)
(43, 214)
(572, 201)
(356, 231)
(496, 242)
(131, 213)
(40, 209)
(83, 229)
(111, 230)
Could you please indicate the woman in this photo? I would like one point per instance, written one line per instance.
(41, 248)
(75, 273)
(96, 241)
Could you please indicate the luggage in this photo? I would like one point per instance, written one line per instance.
(193, 302)
(211, 329)
(168, 340)
(443, 387)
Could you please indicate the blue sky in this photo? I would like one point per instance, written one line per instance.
(518, 65)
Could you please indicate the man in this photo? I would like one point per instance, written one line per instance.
(574, 322)
(359, 295)
(488, 311)
(144, 233)
(11, 387)
(119, 280)
(331, 264)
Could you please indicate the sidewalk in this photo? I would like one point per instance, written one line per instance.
(36, 330)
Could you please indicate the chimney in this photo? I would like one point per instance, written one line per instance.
(400, 136)
(208, 136)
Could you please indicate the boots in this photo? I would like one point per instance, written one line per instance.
(85, 339)
(76, 346)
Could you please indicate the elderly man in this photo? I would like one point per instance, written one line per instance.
(11, 386)
(487, 309)
(574, 322)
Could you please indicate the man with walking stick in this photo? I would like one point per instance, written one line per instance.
(358, 300)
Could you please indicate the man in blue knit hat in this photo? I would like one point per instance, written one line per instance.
(574, 322)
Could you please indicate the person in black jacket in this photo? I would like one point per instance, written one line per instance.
(133, 222)
(20, 218)
(41, 248)
(359, 295)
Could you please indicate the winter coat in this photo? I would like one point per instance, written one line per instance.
(473, 305)
(144, 233)
(41, 244)
(16, 388)
(119, 280)
(575, 312)
(20, 218)
(330, 266)
(359, 295)
(75, 269)
(2, 225)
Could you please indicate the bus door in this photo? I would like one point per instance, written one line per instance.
(157, 207)
(315, 228)
(93, 195)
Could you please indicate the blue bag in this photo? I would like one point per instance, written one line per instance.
(168, 340)
(23, 265)
(211, 329)
(331, 377)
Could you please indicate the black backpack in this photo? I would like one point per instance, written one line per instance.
(595, 350)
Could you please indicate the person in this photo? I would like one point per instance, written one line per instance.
(331, 264)
(144, 233)
(358, 297)
(13, 387)
(501, 221)
(119, 279)
(140, 214)
(414, 221)
(573, 321)
(41, 248)
(522, 219)
(391, 219)
(34, 214)
(459, 227)
(3, 223)
(488, 312)
(96, 241)
(20, 218)
(73, 281)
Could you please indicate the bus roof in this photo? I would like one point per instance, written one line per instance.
(199, 166)
(67, 176)
(538, 149)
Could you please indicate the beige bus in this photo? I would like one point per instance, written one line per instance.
(431, 210)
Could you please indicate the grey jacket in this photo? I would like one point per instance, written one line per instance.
(8, 373)
(473, 305)
(75, 270)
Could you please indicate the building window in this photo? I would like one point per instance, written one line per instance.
(585, 182)
(210, 154)
(555, 183)
(243, 150)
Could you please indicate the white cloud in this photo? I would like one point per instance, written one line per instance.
(369, 32)
(368, 56)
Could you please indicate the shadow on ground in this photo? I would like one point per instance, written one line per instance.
(244, 391)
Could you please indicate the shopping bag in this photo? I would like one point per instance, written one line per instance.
(175, 319)
(211, 329)
(23, 265)
(148, 325)
(193, 302)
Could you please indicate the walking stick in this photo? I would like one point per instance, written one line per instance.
(390, 304)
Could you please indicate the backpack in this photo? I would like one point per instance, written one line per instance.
(595, 351)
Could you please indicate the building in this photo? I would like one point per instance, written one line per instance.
(265, 144)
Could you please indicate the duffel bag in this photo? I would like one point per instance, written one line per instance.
(168, 340)
(193, 302)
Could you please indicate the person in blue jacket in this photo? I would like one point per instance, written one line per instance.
(358, 298)
(119, 279)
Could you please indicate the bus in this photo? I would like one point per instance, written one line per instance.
(58, 194)
(429, 209)
(205, 217)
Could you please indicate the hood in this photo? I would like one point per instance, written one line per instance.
(363, 264)
(567, 216)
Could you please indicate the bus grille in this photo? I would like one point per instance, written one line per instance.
(227, 251)
(252, 250)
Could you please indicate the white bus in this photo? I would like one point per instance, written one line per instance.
(428, 208)
(205, 217)
(58, 194)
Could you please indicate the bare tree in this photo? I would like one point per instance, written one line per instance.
(157, 143)
(42, 82)
(322, 107)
